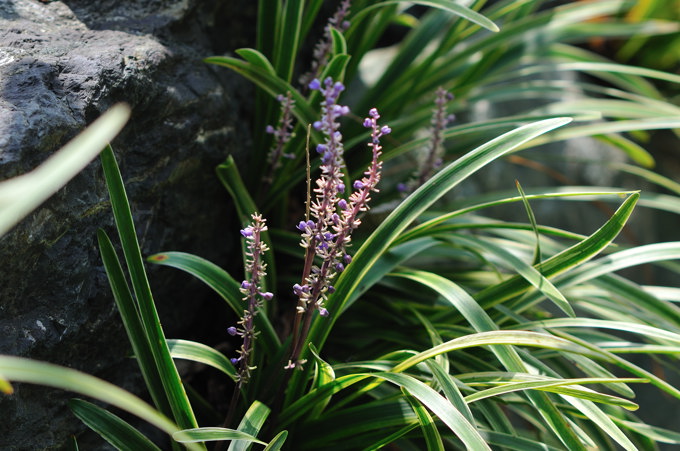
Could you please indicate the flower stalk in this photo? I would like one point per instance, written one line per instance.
(326, 234)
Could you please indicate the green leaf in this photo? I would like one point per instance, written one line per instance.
(127, 307)
(534, 225)
(288, 38)
(444, 411)
(112, 428)
(446, 5)
(433, 440)
(500, 337)
(177, 398)
(33, 372)
(567, 259)
(556, 386)
(277, 442)
(528, 272)
(251, 423)
(197, 352)
(23, 194)
(223, 284)
(450, 389)
(323, 374)
(209, 434)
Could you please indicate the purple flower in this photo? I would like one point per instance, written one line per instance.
(358, 184)
(323, 311)
(234, 360)
(315, 84)
(342, 203)
(232, 331)
(245, 284)
(247, 232)
(267, 296)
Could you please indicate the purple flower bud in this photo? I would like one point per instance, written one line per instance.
(280, 98)
(337, 136)
(232, 331)
(342, 203)
(341, 188)
(302, 226)
(234, 360)
(245, 284)
(373, 112)
(323, 311)
(338, 87)
(359, 184)
(368, 123)
(331, 289)
(385, 130)
(328, 236)
(335, 218)
(321, 148)
(347, 258)
(267, 296)
(317, 125)
(248, 231)
(314, 84)
(297, 289)
(344, 110)
(339, 267)
(328, 82)
(311, 224)
(269, 129)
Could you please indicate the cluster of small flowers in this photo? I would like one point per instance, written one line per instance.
(323, 47)
(328, 233)
(282, 134)
(317, 236)
(252, 295)
(433, 159)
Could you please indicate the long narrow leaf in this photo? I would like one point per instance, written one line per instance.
(111, 427)
(174, 390)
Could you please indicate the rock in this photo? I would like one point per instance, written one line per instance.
(61, 65)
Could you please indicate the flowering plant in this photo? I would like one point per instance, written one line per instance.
(440, 327)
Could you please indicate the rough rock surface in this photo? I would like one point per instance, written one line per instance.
(61, 65)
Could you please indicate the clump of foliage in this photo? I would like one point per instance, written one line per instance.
(441, 328)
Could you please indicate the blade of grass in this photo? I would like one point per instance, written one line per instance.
(177, 398)
(111, 427)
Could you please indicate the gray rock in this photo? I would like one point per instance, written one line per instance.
(61, 65)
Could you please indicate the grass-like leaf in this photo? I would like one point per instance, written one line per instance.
(251, 423)
(21, 195)
(197, 352)
(222, 283)
(148, 316)
(111, 427)
(31, 371)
